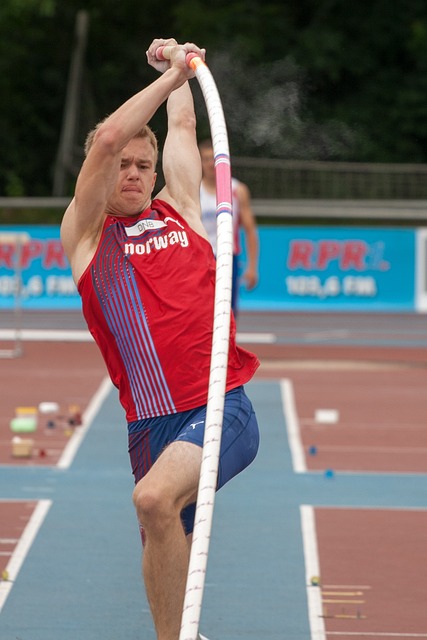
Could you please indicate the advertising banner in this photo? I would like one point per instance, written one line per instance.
(33, 255)
(301, 268)
(334, 269)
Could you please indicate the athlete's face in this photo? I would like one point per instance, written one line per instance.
(136, 179)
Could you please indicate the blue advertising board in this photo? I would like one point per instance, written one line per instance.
(46, 276)
(334, 269)
(304, 268)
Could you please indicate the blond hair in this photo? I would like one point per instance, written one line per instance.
(144, 132)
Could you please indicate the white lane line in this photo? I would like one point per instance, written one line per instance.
(83, 335)
(256, 338)
(76, 439)
(312, 568)
(292, 426)
(22, 548)
(47, 335)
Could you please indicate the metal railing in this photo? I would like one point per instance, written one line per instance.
(290, 190)
(286, 179)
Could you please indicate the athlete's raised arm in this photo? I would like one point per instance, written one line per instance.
(97, 188)
(181, 158)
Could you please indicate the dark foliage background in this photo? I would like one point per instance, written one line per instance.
(317, 79)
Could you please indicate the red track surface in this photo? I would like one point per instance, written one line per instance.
(67, 373)
(379, 394)
(372, 563)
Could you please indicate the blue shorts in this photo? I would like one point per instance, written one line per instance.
(239, 440)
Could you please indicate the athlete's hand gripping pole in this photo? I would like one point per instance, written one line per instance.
(165, 53)
(220, 344)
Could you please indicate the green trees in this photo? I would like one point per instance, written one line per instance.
(317, 79)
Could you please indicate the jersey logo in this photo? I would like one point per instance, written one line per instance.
(176, 222)
(193, 425)
(144, 225)
(149, 225)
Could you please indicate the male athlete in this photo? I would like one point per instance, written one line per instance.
(146, 274)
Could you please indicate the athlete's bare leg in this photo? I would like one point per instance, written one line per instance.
(159, 498)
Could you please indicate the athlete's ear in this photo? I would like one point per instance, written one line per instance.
(154, 182)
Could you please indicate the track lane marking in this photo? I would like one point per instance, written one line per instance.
(23, 547)
(292, 426)
(312, 568)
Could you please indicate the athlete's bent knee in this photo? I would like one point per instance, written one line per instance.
(154, 510)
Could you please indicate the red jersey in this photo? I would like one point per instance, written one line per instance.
(148, 300)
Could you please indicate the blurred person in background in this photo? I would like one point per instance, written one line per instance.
(243, 218)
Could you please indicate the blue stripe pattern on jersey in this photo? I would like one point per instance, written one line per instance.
(115, 284)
